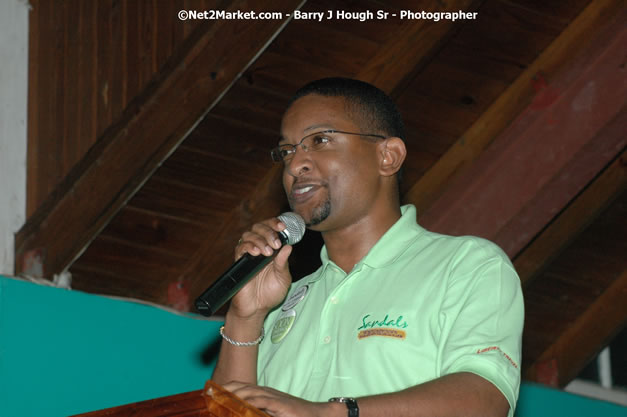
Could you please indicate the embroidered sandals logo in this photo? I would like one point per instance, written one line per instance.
(388, 327)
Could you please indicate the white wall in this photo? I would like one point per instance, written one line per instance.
(13, 111)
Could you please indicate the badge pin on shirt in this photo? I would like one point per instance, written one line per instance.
(282, 325)
(284, 322)
(297, 297)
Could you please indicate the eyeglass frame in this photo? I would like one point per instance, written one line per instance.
(274, 151)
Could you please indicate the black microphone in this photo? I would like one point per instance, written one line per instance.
(247, 267)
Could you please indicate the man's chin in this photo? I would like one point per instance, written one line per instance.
(314, 216)
(313, 222)
(319, 214)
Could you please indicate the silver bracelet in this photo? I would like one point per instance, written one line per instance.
(236, 343)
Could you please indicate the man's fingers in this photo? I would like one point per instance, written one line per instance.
(232, 385)
(246, 391)
(254, 244)
(273, 402)
(262, 239)
(262, 402)
(269, 229)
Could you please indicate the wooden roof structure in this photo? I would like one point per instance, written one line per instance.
(149, 138)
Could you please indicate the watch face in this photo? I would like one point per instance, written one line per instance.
(351, 404)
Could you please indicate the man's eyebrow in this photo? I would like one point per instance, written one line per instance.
(312, 127)
(325, 126)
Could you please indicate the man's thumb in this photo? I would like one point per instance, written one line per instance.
(280, 261)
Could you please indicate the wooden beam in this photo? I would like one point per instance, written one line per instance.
(610, 183)
(499, 115)
(589, 333)
(576, 175)
(412, 46)
(154, 124)
(547, 155)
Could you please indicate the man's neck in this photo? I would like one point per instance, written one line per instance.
(347, 246)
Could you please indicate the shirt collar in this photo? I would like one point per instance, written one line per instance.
(390, 246)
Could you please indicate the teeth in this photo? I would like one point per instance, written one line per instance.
(303, 190)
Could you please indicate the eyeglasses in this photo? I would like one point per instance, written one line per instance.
(314, 142)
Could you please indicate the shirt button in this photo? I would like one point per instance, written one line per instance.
(334, 300)
(327, 339)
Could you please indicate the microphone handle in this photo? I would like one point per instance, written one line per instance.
(231, 282)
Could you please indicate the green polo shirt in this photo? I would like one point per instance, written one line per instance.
(418, 306)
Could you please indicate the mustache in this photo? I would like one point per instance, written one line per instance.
(308, 181)
(303, 183)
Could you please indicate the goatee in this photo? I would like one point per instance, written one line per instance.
(320, 214)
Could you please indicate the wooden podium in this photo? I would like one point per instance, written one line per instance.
(213, 401)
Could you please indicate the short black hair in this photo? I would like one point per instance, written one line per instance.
(369, 107)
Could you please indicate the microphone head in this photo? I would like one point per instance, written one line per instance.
(294, 227)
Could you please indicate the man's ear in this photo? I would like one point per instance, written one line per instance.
(393, 153)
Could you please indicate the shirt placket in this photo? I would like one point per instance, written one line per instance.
(331, 320)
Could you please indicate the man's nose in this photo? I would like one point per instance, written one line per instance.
(301, 162)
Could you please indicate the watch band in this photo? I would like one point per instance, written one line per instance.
(351, 404)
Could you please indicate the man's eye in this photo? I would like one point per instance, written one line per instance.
(285, 152)
(320, 140)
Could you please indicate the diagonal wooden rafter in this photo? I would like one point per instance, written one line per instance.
(393, 65)
(510, 103)
(575, 176)
(574, 347)
(127, 154)
(610, 183)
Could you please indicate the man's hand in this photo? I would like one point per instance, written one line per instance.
(249, 307)
(280, 404)
(270, 286)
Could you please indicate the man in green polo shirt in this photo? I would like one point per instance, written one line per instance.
(398, 320)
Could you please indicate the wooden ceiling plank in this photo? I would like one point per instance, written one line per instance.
(572, 349)
(154, 231)
(208, 204)
(129, 151)
(282, 72)
(313, 41)
(500, 114)
(410, 49)
(213, 257)
(546, 145)
(98, 281)
(587, 206)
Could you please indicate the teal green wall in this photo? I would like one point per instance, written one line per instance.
(66, 352)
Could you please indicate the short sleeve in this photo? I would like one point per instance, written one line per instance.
(482, 319)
